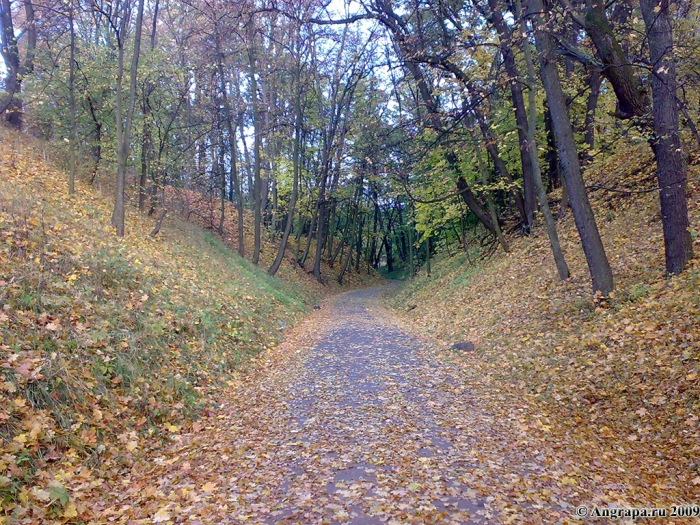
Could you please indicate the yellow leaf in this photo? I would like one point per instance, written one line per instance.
(208, 487)
(132, 445)
(70, 511)
(36, 431)
(161, 516)
(172, 428)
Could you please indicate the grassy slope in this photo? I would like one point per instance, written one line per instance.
(610, 392)
(206, 213)
(105, 343)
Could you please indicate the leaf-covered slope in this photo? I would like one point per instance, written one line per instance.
(105, 342)
(609, 392)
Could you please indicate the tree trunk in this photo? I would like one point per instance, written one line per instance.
(516, 90)
(554, 180)
(474, 205)
(559, 259)
(71, 101)
(257, 148)
(147, 136)
(632, 99)
(358, 244)
(296, 168)
(221, 177)
(597, 260)
(427, 256)
(671, 169)
(231, 129)
(489, 201)
(124, 132)
(12, 107)
(501, 167)
(594, 79)
(389, 254)
(349, 257)
(409, 224)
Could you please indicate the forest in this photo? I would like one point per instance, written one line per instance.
(384, 125)
(528, 170)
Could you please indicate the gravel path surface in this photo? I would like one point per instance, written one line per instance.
(381, 430)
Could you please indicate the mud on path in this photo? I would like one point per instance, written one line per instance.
(351, 420)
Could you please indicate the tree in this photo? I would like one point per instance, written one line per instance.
(559, 260)
(597, 260)
(296, 48)
(671, 167)
(119, 15)
(11, 104)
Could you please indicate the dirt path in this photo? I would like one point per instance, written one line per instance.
(365, 425)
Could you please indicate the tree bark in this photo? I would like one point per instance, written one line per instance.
(631, 96)
(489, 202)
(516, 90)
(501, 167)
(594, 79)
(231, 129)
(124, 131)
(597, 260)
(71, 101)
(559, 260)
(474, 205)
(257, 147)
(296, 168)
(147, 135)
(12, 106)
(671, 168)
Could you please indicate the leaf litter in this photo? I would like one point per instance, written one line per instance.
(351, 419)
(607, 391)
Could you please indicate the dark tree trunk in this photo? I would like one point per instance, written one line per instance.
(296, 168)
(11, 106)
(551, 156)
(631, 96)
(597, 260)
(389, 254)
(501, 167)
(518, 101)
(671, 168)
(474, 205)
(257, 150)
